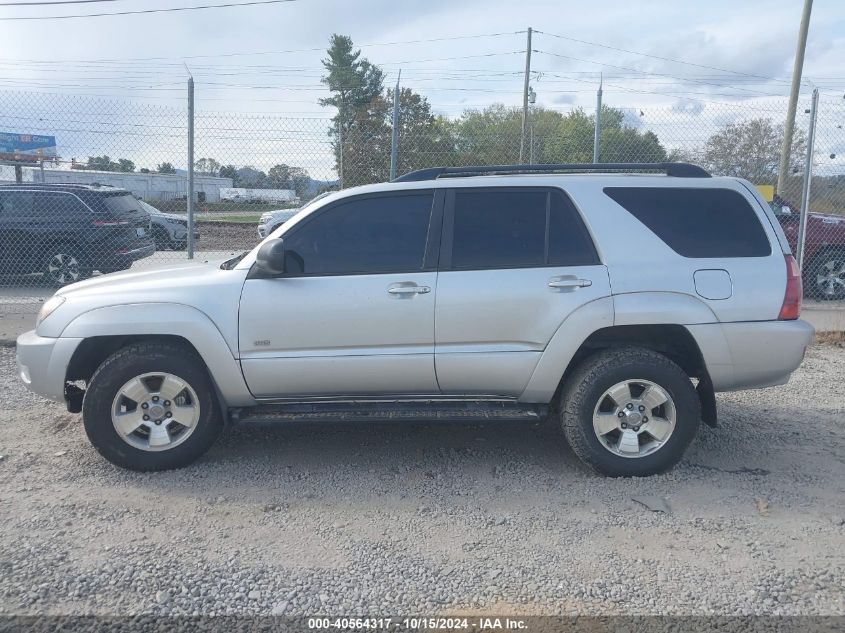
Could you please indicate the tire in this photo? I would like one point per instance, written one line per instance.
(583, 395)
(161, 239)
(63, 264)
(824, 277)
(146, 448)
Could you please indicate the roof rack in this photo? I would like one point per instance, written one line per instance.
(678, 170)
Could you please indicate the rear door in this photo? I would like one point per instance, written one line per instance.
(515, 263)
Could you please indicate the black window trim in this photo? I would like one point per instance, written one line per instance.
(449, 226)
(432, 244)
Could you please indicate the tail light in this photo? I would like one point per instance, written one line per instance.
(791, 308)
(110, 223)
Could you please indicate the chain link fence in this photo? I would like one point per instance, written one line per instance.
(113, 194)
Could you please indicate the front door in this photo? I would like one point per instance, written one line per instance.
(515, 263)
(353, 314)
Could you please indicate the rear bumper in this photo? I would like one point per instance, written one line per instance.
(753, 354)
(42, 363)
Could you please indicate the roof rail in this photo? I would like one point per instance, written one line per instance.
(678, 170)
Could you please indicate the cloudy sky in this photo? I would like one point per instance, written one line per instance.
(682, 59)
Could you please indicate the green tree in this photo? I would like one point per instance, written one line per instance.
(230, 171)
(207, 166)
(104, 163)
(165, 168)
(751, 150)
(355, 84)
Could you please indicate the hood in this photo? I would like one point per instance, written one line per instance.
(144, 282)
(168, 216)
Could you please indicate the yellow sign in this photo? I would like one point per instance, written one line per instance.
(767, 191)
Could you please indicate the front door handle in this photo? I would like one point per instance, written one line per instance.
(570, 283)
(409, 290)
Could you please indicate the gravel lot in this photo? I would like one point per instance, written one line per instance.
(431, 519)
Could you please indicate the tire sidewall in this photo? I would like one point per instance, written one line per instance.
(679, 388)
(117, 371)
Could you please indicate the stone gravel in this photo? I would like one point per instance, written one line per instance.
(431, 519)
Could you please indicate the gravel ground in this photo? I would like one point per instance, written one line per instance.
(220, 236)
(430, 520)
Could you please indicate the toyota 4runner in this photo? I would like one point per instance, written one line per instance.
(614, 305)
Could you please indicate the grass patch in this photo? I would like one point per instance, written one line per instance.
(246, 218)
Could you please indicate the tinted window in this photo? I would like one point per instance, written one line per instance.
(57, 205)
(365, 235)
(509, 228)
(122, 204)
(15, 204)
(499, 229)
(569, 242)
(697, 222)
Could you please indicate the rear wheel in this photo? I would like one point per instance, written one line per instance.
(824, 276)
(64, 264)
(151, 406)
(629, 412)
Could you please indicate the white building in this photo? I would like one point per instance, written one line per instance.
(146, 186)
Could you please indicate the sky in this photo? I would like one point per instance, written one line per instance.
(685, 60)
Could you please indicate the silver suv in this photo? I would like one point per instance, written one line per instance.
(614, 305)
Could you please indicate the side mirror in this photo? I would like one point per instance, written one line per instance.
(270, 258)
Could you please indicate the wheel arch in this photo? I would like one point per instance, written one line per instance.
(104, 330)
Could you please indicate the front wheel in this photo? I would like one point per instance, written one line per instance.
(629, 412)
(151, 406)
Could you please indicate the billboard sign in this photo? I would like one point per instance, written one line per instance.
(26, 147)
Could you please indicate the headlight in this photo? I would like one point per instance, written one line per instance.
(48, 308)
(175, 221)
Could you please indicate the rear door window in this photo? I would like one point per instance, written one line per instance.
(59, 206)
(517, 228)
(697, 223)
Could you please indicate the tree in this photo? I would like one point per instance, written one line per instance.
(278, 177)
(165, 168)
(104, 163)
(230, 171)
(355, 84)
(251, 177)
(144, 170)
(207, 166)
(751, 150)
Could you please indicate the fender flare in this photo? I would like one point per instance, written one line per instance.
(170, 319)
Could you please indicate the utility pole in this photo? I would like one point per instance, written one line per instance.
(597, 138)
(190, 167)
(797, 69)
(394, 138)
(808, 178)
(525, 99)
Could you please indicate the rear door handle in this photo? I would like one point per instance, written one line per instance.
(570, 283)
(409, 290)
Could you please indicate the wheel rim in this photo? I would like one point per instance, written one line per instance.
(634, 418)
(155, 411)
(830, 277)
(63, 268)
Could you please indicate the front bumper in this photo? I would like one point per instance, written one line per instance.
(42, 363)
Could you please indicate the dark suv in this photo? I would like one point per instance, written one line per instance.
(68, 231)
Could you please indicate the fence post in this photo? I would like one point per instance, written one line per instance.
(597, 138)
(808, 176)
(394, 137)
(190, 167)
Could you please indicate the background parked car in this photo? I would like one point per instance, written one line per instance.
(271, 220)
(66, 232)
(169, 230)
(824, 249)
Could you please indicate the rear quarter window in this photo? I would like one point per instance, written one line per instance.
(697, 223)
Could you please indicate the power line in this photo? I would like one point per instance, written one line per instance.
(665, 59)
(144, 11)
(52, 2)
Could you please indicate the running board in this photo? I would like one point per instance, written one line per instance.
(435, 411)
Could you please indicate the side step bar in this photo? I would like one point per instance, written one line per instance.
(429, 411)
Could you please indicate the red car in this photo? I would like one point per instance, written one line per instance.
(824, 250)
